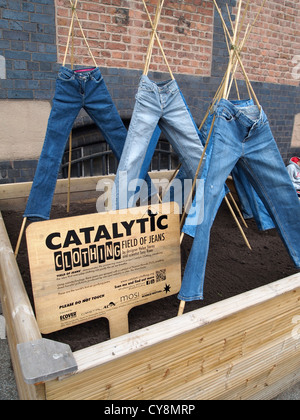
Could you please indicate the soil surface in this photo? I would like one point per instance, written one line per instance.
(232, 269)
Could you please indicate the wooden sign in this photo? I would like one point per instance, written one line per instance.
(102, 265)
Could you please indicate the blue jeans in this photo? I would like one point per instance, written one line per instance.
(159, 104)
(251, 204)
(74, 90)
(243, 135)
(195, 216)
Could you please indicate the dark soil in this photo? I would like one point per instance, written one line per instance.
(232, 269)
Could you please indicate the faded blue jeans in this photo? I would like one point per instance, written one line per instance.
(159, 104)
(74, 90)
(251, 204)
(243, 135)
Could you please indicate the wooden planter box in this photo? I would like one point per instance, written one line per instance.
(246, 347)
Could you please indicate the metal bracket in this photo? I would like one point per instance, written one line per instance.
(44, 360)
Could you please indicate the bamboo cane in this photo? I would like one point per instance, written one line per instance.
(71, 35)
(235, 51)
(71, 136)
(74, 5)
(235, 218)
(160, 4)
(226, 92)
(20, 237)
(84, 37)
(237, 209)
(69, 172)
(158, 41)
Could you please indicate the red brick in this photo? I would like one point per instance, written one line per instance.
(268, 55)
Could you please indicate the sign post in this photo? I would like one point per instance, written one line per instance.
(102, 265)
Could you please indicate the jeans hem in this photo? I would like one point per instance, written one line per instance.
(190, 299)
(35, 217)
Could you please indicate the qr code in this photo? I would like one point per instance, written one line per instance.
(161, 275)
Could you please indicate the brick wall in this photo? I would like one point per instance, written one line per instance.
(32, 32)
(28, 45)
(118, 34)
(274, 42)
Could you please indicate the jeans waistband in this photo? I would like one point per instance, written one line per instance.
(245, 112)
(84, 73)
(242, 103)
(169, 86)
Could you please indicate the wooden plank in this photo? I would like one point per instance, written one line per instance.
(209, 353)
(20, 319)
(22, 190)
(240, 348)
(83, 190)
(188, 322)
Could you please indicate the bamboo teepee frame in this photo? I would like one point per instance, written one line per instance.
(146, 70)
(225, 87)
(154, 36)
(71, 37)
(73, 4)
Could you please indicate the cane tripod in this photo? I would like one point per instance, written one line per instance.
(224, 90)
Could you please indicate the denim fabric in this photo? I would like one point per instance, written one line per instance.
(243, 135)
(74, 90)
(251, 204)
(195, 214)
(159, 104)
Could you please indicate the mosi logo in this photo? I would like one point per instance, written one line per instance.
(127, 298)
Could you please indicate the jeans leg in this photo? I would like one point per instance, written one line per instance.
(225, 154)
(63, 114)
(266, 171)
(179, 128)
(142, 127)
(100, 107)
(252, 206)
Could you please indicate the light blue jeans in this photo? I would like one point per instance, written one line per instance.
(159, 104)
(243, 135)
